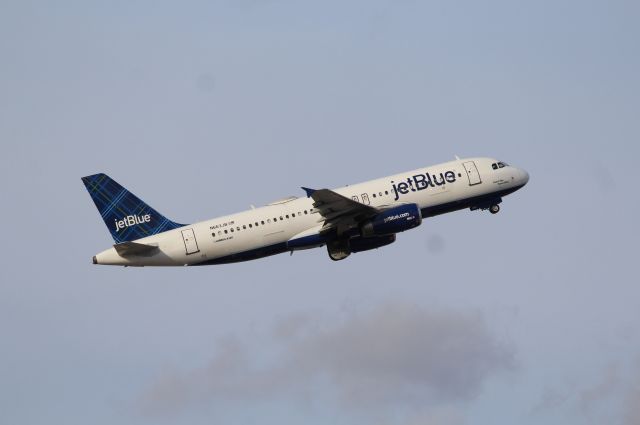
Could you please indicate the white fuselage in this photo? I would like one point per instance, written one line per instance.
(276, 227)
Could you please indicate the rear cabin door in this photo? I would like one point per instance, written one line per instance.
(472, 173)
(190, 243)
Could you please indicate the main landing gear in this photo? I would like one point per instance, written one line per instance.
(494, 209)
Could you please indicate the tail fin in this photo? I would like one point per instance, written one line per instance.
(127, 217)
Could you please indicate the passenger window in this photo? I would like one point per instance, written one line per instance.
(269, 221)
(225, 231)
(275, 219)
(305, 211)
(287, 215)
(250, 225)
(281, 218)
(231, 230)
(238, 228)
(293, 214)
(262, 222)
(386, 192)
(374, 195)
(244, 226)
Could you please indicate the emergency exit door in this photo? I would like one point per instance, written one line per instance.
(472, 173)
(190, 244)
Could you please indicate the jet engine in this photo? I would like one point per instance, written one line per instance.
(360, 244)
(393, 220)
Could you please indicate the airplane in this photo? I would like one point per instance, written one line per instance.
(350, 219)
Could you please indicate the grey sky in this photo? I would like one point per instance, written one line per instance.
(203, 108)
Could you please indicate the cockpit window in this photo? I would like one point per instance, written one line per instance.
(497, 165)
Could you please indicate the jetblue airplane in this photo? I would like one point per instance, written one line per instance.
(347, 220)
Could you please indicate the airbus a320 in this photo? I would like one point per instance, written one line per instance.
(346, 220)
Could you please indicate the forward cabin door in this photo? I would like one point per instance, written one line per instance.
(472, 173)
(190, 243)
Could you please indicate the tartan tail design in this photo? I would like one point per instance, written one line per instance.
(127, 217)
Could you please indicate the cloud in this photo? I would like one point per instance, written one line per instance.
(551, 399)
(401, 352)
(613, 397)
(605, 388)
(438, 416)
(395, 356)
(632, 403)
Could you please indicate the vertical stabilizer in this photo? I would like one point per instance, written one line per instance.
(127, 217)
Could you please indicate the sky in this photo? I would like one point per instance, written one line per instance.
(203, 108)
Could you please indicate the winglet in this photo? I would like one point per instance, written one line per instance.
(309, 191)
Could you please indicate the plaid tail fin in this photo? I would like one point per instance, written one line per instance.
(127, 217)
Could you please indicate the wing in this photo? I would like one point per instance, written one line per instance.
(339, 212)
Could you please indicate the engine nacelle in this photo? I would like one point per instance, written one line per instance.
(393, 220)
(360, 244)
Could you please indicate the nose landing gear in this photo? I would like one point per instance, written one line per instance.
(491, 204)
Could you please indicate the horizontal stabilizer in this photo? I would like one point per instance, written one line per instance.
(125, 249)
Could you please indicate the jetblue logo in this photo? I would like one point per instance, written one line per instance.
(421, 182)
(132, 220)
(396, 217)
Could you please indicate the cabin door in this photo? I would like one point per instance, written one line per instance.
(190, 243)
(472, 173)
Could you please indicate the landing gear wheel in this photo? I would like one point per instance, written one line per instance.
(494, 209)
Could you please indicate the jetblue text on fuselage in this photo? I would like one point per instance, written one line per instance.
(421, 182)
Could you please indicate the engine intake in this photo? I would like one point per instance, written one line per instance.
(393, 220)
